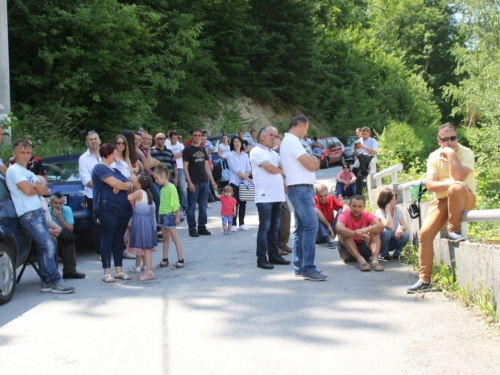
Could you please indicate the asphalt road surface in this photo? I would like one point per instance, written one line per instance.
(223, 315)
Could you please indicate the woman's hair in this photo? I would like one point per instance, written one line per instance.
(385, 197)
(130, 137)
(346, 165)
(125, 156)
(146, 182)
(231, 143)
(106, 149)
(229, 189)
(162, 168)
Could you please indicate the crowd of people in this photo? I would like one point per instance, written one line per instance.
(140, 193)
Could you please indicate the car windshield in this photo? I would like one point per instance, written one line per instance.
(348, 141)
(62, 171)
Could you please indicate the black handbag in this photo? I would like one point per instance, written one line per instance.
(414, 207)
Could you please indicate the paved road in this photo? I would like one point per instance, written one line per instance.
(222, 315)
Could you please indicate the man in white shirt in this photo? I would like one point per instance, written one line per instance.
(299, 170)
(269, 195)
(25, 189)
(365, 151)
(3, 168)
(176, 147)
(88, 160)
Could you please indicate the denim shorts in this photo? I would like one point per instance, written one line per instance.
(167, 221)
(227, 220)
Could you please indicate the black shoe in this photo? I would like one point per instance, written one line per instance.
(263, 263)
(73, 275)
(193, 233)
(204, 232)
(418, 286)
(279, 260)
(159, 234)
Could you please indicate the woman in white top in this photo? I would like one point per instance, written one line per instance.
(224, 149)
(394, 236)
(239, 171)
(122, 161)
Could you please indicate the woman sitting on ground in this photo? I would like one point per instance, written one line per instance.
(394, 236)
(346, 182)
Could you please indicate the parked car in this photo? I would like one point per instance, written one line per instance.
(348, 142)
(64, 177)
(15, 244)
(215, 139)
(332, 152)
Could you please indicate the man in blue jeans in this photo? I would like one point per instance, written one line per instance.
(299, 169)
(25, 189)
(198, 174)
(269, 195)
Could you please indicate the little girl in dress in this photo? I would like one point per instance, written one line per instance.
(143, 230)
(228, 209)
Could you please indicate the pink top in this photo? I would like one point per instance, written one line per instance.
(366, 219)
(344, 177)
(227, 205)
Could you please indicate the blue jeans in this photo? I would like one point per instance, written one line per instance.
(322, 232)
(113, 230)
(345, 193)
(269, 223)
(306, 227)
(390, 242)
(35, 224)
(182, 188)
(200, 196)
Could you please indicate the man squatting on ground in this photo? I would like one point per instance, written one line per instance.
(25, 189)
(269, 195)
(299, 168)
(450, 176)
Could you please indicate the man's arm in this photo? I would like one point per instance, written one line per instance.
(270, 168)
(342, 230)
(209, 173)
(58, 215)
(323, 220)
(309, 162)
(375, 227)
(3, 170)
(457, 171)
(32, 188)
(369, 150)
(84, 171)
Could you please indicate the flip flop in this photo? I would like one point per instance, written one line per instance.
(377, 267)
(365, 267)
(163, 263)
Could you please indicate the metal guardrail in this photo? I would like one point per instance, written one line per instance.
(477, 215)
(405, 189)
(393, 171)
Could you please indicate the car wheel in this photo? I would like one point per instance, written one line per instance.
(327, 162)
(342, 160)
(7, 274)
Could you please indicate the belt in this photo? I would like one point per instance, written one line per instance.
(305, 185)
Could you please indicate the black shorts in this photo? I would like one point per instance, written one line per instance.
(363, 249)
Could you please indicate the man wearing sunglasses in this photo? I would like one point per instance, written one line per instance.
(450, 176)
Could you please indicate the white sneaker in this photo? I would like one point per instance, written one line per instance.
(135, 269)
(128, 255)
(233, 228)
(244, 227)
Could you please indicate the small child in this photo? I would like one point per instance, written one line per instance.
(168, 216)
(228, 209)
(143, 230)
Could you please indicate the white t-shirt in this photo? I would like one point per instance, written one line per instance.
(224, 150)
(268, 186)
(22, 202)
(398, 214)
(371, 143)
(178, 147)
(290, 151)
(123, 167)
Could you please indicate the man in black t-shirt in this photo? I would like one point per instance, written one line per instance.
(198, 173)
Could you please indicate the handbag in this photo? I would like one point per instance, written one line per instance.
(247, 192)
(414, 207)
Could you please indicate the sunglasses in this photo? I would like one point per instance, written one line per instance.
(160, 139)
(120, 143)
(347, 167)
(446, 139)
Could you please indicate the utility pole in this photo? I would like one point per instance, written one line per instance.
(4, 64)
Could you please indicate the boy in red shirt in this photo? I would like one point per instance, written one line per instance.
(359, 234)
(325, 205)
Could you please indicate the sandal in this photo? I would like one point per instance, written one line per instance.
(107, 278)
(148, 275)
(163, 263)
(122, 276)
(287, 248)
(364, 267)
(179, 264)
(282, 252)
(377, 267)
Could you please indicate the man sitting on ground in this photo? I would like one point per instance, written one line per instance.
(325, 206)
(63, 216)
(359, 235)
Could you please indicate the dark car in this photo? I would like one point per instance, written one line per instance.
(215, 139)
(349, 142)
(64, 177)
(332, 151)
(15, 244)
